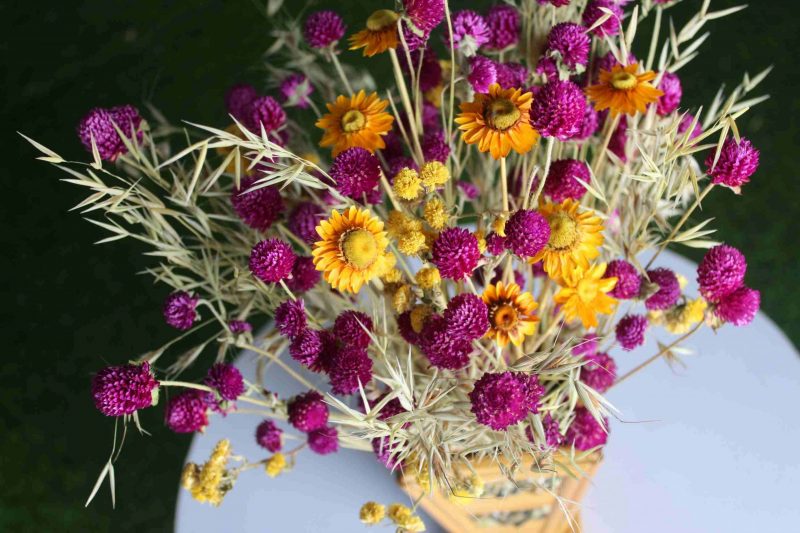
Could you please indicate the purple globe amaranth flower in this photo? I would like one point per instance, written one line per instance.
(629, 282)
(548, 68)
(558, 110)
(430, 70)
(268, 436)
(686, 123)
(589, 125)
(353, 329)
(630, 331)
(721, 272)
(306, 347)
(238, 100)
(330, 350)
(304, 275)
(619, 140)
(669, 289)
(304, 219)
(495, 244)
(392, 408)
(435, 147)
(505, 398)
(511, 75)
(670, 85)
(323, 28)
(736, 163)
(187, 412)
(272, 260)
(482, 73)
(556, 3)
(467, 317)
(259, 208)
(290, 318)
(226, 380)
(179, 310)
(296, 90)
(593, 12)
(570, 42)
(456, 253)
(739, 307)
(470, 32)
(356, 172)
(405, 329)
(265, 112)
(239, 326)
(585, 432)
(552, 432)
(384, 452)
(307, 412)
(469, 189)
(443, 348)
(503, 22)
(99, 123)
(425, 14)
(561, 182)
(586, 346)
(599, 372)
(527, 232)
(324, 440)
(349, 368)
(123, 390)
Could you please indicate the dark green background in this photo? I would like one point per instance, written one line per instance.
(69, 307)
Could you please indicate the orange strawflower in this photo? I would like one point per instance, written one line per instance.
(359, 120)
(379, 35)
(584, 294)
(511, 315)
(623, 91)
(498, 121)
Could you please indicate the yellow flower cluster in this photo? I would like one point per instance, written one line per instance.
(435, 214)
(275, 465)
(372, 513)
(404, 518)
(408, 183)
(681, 318)
(467, 490)
(428, 277)
(209, 483)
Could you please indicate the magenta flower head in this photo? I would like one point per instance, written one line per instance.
(425, 14)
(323, 28)
(586, 346)
(527, 232)
(304, 219)
(296, 90)
(686, 123)
(238, 100)
(482, 73)
(456, 253)
(589, 124)
(290, 318)
(307, 412)
(239, 326)
(630, 331)
(259, 208)
(556, 3)
(495, 244)
(443, 348)
(721, 272)
(511, 75)
(669, 290)
(619, 140)
(570, 42)
(470, 32)
(467, 317)
(187, 412)
(585, 432)
(123, 390)
(304, 275)
(558, 110)
(179, 310)
(268, 436)
(628, 280)
(503, 22)
(265, 112)
(469, 189)
(353, 328)
(739, 307)
(271, 260)
(348, 368)
(671, 99)
(324, 440)
(593, 12)
(435, 147)
(306, 347)
(599, 372)
(430, 71)
(226, 380)
(99, 123)
(503, 399)
(385, 452)
(561, 181)
(356, 172)
(736, 163)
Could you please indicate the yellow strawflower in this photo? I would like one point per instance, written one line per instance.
(428, 277)
(275, 465)
(411, 243)
(435, 214)
(434, 174)
(372, 513)
(407, 184)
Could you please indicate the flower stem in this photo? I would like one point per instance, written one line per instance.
(340, 70)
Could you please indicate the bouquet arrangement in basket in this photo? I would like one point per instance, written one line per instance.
(447, 245)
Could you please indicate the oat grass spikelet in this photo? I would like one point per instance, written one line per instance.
(379, 35)
(584, 294)
(351, 249)
(511, 315)
(622, 90)
(575, 238)
(498, 121)
(359, 120)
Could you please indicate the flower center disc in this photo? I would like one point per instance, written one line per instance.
(623, 81)
(381, 19)
(501, 114)
(587, 290)
(505, 317)
(353, 120)
(563, 232)
(359, 248)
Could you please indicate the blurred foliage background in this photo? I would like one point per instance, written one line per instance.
(71, 307)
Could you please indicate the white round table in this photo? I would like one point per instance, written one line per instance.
(709, 447)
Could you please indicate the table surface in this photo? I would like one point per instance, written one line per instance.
(708, 447)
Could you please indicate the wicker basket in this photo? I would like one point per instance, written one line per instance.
(526, 504)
